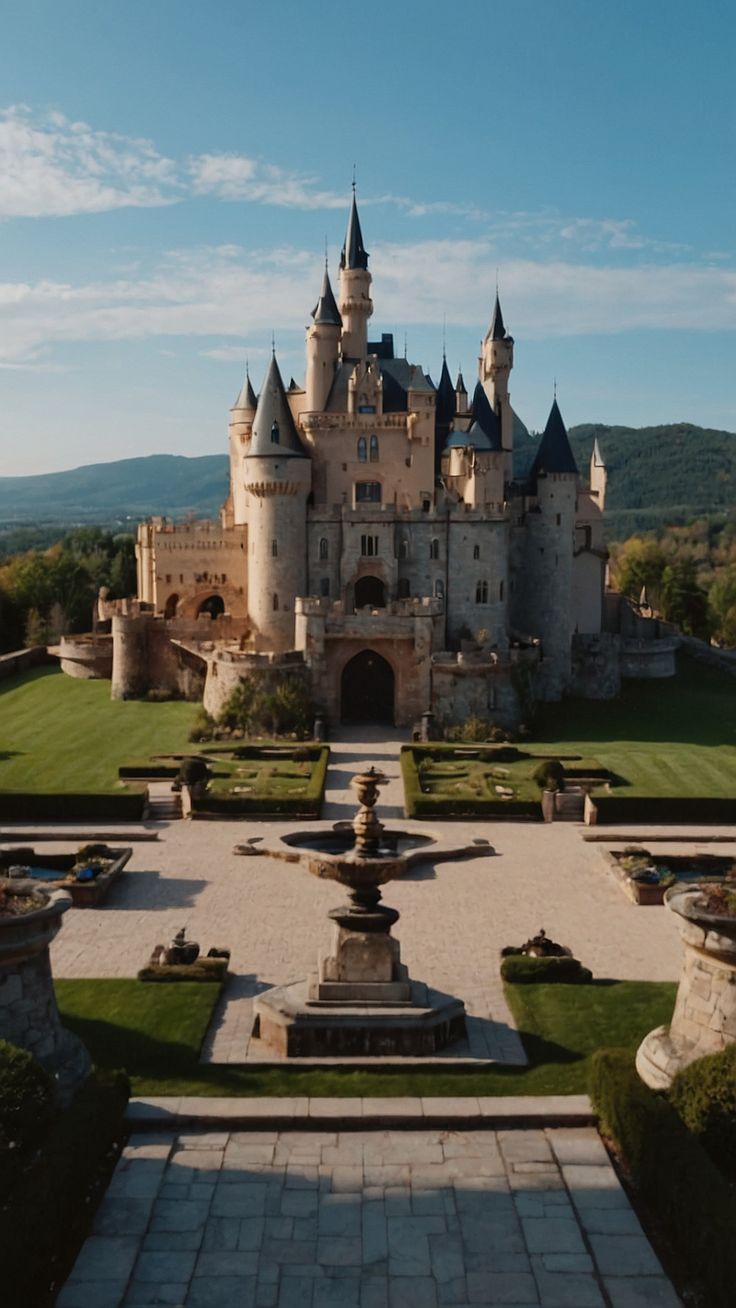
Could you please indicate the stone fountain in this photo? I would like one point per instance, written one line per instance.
(361, 1000)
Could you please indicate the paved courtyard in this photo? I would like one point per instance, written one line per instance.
(384, 1219)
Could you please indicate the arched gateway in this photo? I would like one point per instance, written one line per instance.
(214, 605)
(367, 689)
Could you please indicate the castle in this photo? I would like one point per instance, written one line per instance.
(376, 542)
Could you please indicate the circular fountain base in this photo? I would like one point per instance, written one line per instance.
(295, 1025)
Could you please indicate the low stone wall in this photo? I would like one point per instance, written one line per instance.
(643, 659)
(723, 659)
(86, 657)
(20, 660)
(226, 671)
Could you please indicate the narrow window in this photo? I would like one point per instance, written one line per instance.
(481, 592)
(369, 546)
(403, 548)
(324, 588)
(476, 551)
(434, 549)
(275, 433)
(274, 549)
(324, 549)
(559, 519)
(439, 588)
(368, 492)
(362, 450)
(404, 591)
(275, 603)
(500, 590)
(374, 449)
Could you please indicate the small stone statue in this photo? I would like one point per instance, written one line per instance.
(182, 950)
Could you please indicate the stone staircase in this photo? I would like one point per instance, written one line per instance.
(164, 805)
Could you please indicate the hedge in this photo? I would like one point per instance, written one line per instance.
(26, 1108)
(662, 808)
(306, 805)
(418, 804)
(45, 1216)
(204, 969)
(521, 969)
(704, 1096)
(690, 1198)
(27, 806)
(148, 770)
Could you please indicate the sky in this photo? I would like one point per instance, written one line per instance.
(170, 171)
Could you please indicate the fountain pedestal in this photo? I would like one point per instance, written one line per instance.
(361, 1001)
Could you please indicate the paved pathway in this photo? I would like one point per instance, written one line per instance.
(383, 1219)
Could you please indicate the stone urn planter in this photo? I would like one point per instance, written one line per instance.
(704, 1020)
(29, 1017)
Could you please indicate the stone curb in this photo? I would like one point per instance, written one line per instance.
(409, 1114)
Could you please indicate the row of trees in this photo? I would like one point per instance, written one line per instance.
(689, 573)
(46, 593)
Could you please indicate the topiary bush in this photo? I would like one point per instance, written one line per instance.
(704, 1096)
(521, 969)
(193, 771)
(26, 1097)
(550, 775)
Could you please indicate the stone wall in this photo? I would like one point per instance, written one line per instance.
(88, 658)
(227, 669)
(596, 666)
(145, 658)
(20, 660)
(473, 686)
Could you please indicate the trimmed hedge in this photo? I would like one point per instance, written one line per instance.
(44, 1217)
(704, 1096)
(307, 805)
(204, 969)
(148, 770)
(26, 806)
(676, 1179)
(521, 969)
(26, 1108)
(418, 804)
(662, 808)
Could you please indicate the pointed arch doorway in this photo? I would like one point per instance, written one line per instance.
(367, 689)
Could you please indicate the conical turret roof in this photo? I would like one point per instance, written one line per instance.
(460, 384)
(485, 429)
(325, 310)
(445, 396)
(354, 254)
(497, 330)
(247, 398)
(274, 430)
(598, 459)
(554, 453)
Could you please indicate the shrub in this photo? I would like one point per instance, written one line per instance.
(193, 770)
(204, 969)
(26, 1097)
(521, 969)
(203, 726)
(474, 730)
(694, 1205)
(550, 775)
(159, 695)
(704, 1095)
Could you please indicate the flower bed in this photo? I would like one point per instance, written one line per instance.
(103, 864)
(646, 877)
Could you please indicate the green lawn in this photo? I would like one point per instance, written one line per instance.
(155, 1031)
(670, 737)
(61, 734)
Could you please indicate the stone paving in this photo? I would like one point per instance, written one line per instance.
(383, 1219)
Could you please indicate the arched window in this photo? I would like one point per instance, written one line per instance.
(362, 450)
(404, 588)
(481, 592)
(439, 588)
(403, 548)
(374, 449)
(476, 551)
(434, 549)
(324, 548)
(274, 549)
(275, 603)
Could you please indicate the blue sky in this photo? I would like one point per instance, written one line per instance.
(169, 172)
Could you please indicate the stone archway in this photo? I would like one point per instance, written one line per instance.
(370, 592)
(367, 689)
(171, 606)
(214, 605)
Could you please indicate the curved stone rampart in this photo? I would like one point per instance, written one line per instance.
(86, 657)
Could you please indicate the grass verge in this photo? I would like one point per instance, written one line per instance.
(156, 1031)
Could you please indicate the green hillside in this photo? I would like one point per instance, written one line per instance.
(127, 488)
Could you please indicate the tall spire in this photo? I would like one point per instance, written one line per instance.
(497, 331)
(354, 254)
(554, 453)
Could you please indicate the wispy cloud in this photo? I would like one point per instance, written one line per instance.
(53, 167)
(240, 177)
(208, 293)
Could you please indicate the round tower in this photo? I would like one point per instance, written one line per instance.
(240, 427)
(496, 362)
(323, 347)
(356, 305)
(277, 482)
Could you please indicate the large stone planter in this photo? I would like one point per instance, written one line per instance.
(29, 1016)
(704, 1020)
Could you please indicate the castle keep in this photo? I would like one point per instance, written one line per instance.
(376, 541)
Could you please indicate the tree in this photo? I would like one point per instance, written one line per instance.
(722, 606)
(683, 600)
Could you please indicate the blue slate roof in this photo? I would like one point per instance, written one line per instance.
(274, 430)
(554, 453)
(354, 253)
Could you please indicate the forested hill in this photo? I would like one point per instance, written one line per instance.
(656, 475)
(129, 488)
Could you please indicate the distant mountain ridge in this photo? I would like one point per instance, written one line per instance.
(657, 475)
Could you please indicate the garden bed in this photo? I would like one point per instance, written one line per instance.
(84, 893)
(485, 781)
(645, 877)
(281, 779)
